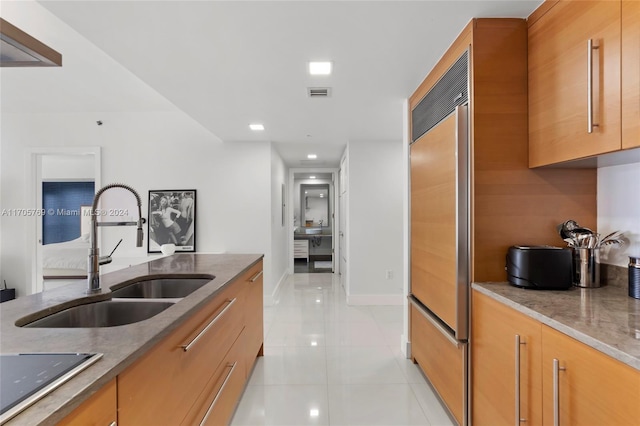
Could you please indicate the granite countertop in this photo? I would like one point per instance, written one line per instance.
(605, 318)
(120, 345)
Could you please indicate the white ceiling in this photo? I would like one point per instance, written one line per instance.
(230, 63)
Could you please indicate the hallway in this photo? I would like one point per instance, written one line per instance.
(327, 363)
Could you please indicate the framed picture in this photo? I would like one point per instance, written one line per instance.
(172, 220)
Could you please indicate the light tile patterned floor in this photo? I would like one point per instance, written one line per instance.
(327, 363)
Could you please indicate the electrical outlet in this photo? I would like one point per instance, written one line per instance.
(389, 274)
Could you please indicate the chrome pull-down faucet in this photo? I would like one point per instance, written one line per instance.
(94, 262)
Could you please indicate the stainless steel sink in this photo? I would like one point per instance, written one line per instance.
(161, 288)
(108, 313)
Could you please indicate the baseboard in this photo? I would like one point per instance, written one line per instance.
(376, 299)
(272, 299)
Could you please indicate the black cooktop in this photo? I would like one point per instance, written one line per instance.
(25, 378)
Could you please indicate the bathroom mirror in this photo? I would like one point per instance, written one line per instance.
(314, 205)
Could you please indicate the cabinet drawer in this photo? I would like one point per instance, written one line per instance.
(217, 402)
(441, 360)
(185, 360)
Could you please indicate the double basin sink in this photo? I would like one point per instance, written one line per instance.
(132, 302)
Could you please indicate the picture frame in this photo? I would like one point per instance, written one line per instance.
(172, 220)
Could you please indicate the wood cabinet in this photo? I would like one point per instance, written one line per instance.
(506, 352)
(254, 317)
(503, 192)
(442, 359)
(202, 364)
(592, 388)
(584, 79)
(556, 374)
(630, 73)
(98, 410)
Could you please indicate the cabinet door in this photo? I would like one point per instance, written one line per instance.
(506, 372)
(254, 312)
(442, 360)
(592, 388)
(560, 64)
(630, 73)
(99, 410)
(433, 220)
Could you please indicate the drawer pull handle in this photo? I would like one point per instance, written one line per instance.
(204, 330)
(517, 350)
(255, 277)
(556, 391)
(224, 384)
(590, 49)
(113, 424)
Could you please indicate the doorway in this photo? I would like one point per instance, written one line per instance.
(60, 175)
(313, 218)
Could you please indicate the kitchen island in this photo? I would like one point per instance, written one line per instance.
(128, 346)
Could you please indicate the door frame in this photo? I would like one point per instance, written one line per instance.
(34, 198)
(334, 212)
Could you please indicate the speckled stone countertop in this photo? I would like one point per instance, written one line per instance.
(605, 318)
(120, 345)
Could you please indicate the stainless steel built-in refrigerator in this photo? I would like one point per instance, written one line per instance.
(439, 289)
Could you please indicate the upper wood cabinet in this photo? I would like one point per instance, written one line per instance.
(630, 73)
(574, 80)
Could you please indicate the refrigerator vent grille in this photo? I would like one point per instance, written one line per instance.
(450, 91)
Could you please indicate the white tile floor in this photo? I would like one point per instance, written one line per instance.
(326, 363)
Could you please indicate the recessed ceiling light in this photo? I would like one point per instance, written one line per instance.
(312, 177)
(312, 156)
(320, 68)
(256, 126)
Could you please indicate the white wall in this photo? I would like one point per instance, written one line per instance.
(68, 167)
(619, 209)
(375, 222)
(147, 151)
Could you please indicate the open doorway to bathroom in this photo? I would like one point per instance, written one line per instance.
(313, 222)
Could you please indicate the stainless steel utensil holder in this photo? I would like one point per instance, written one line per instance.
(586, 267)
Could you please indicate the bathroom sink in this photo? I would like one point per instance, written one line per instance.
(310, 231)
(161, 288)
(108, 313)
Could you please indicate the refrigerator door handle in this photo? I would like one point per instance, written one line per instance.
(434, 322)
(462, 222)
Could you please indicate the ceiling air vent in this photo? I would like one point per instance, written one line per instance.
(319, 92)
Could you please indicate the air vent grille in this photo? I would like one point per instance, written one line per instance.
(319, 92)
(443, 98)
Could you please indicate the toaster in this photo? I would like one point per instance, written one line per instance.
(540, 267)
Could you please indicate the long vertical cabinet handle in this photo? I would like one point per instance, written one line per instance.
(224, 384)
(590, 123)
(556, 391)
(517, 370)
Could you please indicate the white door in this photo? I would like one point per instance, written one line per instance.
(342, 213)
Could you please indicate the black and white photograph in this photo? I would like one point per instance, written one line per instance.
(172, 220)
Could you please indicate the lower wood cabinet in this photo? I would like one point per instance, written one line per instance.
(506, 353)
(582, 386)
(521, 364)
(98, 410)
(197, 373)
(442, 359)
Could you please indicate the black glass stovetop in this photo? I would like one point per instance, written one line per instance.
(25, 378)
